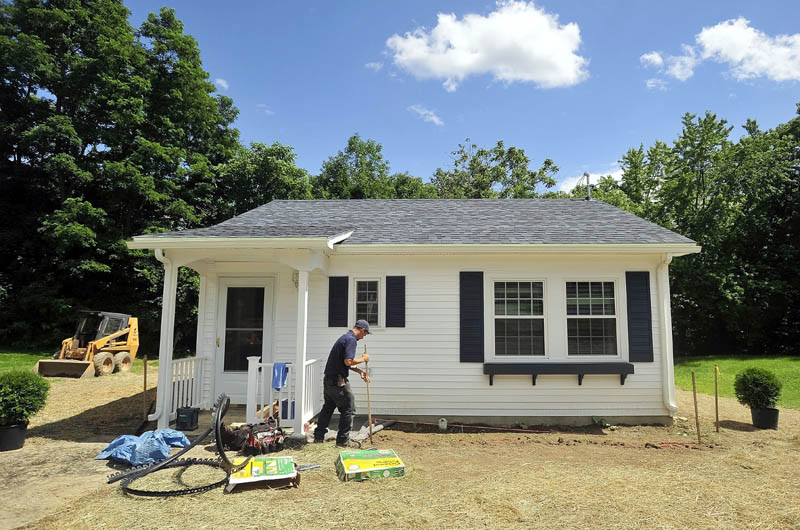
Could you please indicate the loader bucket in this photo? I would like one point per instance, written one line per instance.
(64, 368)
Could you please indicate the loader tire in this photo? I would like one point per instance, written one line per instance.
(122, 361)
(57, 354)
(103, 363)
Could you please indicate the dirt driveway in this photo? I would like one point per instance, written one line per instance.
(614, 478)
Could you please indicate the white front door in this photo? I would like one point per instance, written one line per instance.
(244, 329)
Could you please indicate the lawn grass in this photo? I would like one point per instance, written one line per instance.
(787, 369)
(10, 360)
(17, 360)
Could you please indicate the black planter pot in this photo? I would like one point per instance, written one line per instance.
(12, 436)
(765, 418)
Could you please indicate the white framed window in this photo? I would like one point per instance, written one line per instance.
(518, 318)
(591, 318)
(368, 300)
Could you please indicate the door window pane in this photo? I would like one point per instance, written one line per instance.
(239, 345)
(245, 307)
(244, 326)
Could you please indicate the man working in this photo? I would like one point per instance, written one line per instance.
(336, 389)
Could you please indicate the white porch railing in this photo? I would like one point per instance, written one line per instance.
(185, 384)
(292, 411)
(312, 395)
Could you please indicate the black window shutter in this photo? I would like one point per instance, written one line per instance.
(337, 301)
(395, 301)
(640, 321)
(471, 317)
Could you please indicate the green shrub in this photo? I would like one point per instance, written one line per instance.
(22, 394)
(757, 388)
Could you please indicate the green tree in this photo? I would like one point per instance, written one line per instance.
(258, 175)
(107, 133)
(499, 172)
(738, 200)
(762, 243)
(360, 172)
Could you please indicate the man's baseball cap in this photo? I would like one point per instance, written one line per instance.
(363, 324)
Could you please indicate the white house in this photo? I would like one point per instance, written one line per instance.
(499, 311)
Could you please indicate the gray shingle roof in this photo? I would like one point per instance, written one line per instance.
(439, 221)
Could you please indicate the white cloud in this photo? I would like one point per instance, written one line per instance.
(426, 114)
(516, 42)
(652, 59)
(221, 83)
(265, 109)
(751, 53)
(656, 84)
(681, 67)
(569, 184)
(748, 52)
(375, 67)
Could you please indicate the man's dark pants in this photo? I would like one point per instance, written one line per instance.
(336, 397)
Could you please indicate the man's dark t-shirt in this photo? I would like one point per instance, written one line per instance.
(343, 348)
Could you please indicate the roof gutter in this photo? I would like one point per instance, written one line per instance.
(674, 249)
(320, 243)
(334, 242)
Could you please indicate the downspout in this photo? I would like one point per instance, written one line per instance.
(162, 366)
(667, 365)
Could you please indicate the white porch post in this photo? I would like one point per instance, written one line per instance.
(300, 361)
(667, 366)
(252, 395)
(164, 394)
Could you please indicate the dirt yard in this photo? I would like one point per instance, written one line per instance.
(611, 478)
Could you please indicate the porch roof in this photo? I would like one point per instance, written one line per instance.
(430, 222)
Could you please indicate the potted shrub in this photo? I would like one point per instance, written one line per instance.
(22, 394)
(759, 389)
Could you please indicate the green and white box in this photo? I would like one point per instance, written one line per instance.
(263, 468)
(364, 465)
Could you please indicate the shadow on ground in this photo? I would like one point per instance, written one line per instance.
(99, 424)
(737, 426)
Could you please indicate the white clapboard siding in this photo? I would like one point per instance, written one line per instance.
(416, 369)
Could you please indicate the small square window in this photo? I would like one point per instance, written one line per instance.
(367, 293)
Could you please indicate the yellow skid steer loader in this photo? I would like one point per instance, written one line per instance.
(103, 343)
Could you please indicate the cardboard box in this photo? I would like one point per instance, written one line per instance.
(364, 465)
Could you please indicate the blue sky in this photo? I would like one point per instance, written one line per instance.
(576, 81)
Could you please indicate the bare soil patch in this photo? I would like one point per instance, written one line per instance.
(614, 478)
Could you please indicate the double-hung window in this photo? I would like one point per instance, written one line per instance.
(367, 301)
(591, 318)
(518, 318)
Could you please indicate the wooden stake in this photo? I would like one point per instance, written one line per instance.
(369, 405)
(696, 416)
(716, 398)
(144, 394)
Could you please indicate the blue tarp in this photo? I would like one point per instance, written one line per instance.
(151, 446)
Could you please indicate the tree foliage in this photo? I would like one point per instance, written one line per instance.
(739, 201)
(361, 172)
(499, 172)
(109, 131)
